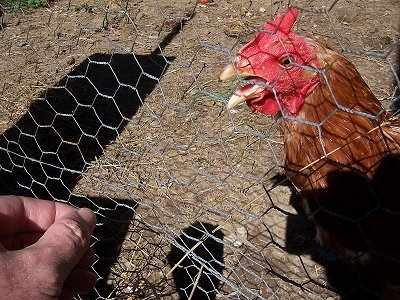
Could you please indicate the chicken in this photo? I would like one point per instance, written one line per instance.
(341, 149)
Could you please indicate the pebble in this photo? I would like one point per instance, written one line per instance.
(22, 43)
(71, 60)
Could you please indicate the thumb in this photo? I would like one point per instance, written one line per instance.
(67, 240)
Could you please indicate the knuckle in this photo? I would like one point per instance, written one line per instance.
(76, 233)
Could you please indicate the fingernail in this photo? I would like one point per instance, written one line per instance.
(88, 215)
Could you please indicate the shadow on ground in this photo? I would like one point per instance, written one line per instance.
(361, 214)
(341, 276)
(48, 149)
(195, 275)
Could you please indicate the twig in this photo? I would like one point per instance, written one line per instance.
(196, 282)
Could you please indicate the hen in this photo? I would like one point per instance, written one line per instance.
(341, 148)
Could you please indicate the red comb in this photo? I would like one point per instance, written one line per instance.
(283, 23)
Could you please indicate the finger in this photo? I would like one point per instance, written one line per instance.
(80, 281)
(67, 241)
(87, 260)
(66, 294)
(19, 241)
(23, 214)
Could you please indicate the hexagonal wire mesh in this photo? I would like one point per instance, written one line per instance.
(116, 106)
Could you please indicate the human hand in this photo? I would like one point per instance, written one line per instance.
(44, 249)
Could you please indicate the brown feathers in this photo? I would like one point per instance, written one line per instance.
(342, 151)
(347, 167)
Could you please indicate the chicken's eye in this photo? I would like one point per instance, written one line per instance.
(285, 60)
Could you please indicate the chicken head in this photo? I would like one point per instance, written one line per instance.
(272, 65)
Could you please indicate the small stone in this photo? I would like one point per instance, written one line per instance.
(22, 43)
(237, 235)
(16, 22)
(71, 60)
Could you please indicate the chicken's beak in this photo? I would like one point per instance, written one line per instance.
(227, 72)
(235, 100)
(241, 94)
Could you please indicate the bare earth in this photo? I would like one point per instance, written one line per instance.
(166, 142)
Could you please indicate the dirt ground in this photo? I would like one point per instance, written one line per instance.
(118, 106)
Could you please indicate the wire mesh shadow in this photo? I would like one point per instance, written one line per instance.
(196, 275)
(371, 224)
(46, 151)
(300, 240)
(49, 148)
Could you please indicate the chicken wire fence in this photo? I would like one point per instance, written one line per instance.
(116, 106)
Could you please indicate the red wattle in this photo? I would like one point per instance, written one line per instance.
(268, 106)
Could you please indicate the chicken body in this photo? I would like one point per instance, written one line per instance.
(341, 148)
(347, 167)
